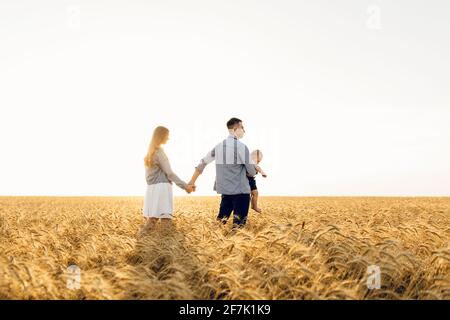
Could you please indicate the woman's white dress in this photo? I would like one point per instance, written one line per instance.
(158, 201)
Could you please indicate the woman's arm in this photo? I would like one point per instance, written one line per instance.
(165, 166)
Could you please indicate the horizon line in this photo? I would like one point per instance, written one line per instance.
(261, 196)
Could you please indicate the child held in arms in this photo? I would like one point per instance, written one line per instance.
(256, 157)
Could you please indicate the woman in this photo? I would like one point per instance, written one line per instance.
(158, 201)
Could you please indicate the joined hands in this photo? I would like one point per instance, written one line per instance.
(190, 187)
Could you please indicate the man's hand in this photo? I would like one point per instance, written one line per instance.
(192, 183)
(194, 178)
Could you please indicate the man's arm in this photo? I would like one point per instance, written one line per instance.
(194, 178)
(244, 155)
(210, 157)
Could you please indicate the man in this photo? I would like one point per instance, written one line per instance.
(233, 163)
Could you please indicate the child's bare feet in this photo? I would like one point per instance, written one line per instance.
(257, 209)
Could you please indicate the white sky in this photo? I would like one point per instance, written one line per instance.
(343, 97)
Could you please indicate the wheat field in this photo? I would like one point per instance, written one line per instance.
(298, 248)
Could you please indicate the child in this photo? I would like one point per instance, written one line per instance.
(256, 157)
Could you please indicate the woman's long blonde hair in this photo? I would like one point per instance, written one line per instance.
(159, 136)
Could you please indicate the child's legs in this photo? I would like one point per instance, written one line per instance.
(254, 198)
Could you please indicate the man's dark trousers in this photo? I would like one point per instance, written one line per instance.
(237, 203)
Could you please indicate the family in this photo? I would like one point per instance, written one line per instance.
(235, 181)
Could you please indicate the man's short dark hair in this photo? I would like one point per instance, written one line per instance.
(232, 122)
